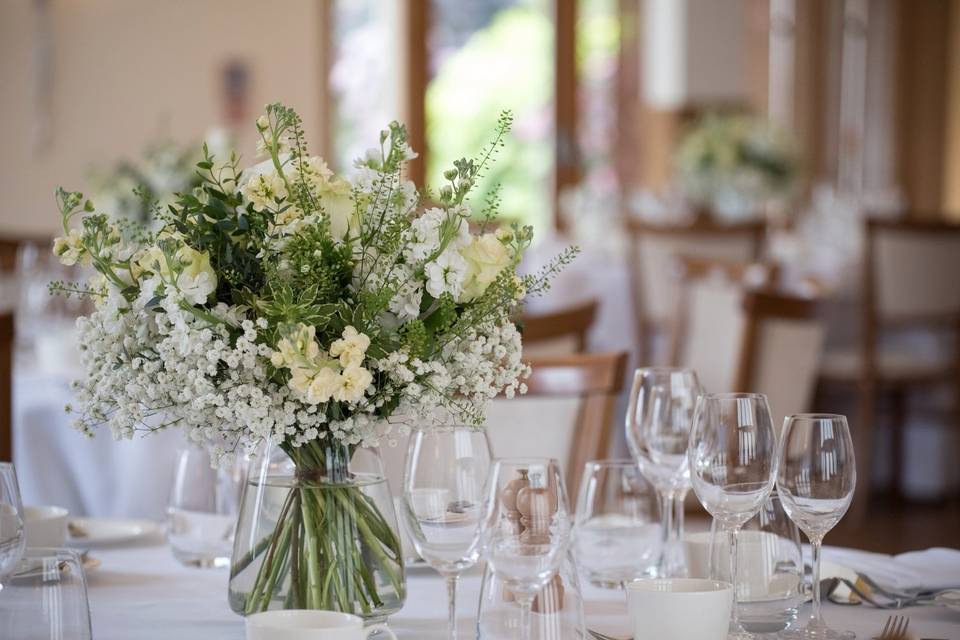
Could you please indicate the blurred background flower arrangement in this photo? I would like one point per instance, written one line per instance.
(736, 164)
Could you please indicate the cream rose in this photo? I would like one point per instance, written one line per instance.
(337, 202)
(197, 280)
(486, 257)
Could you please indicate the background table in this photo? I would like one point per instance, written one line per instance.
(142, 592)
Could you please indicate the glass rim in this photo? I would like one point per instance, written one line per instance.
(814, 416)
(525, 460)
(612, 462)
(447, 426)
(733, 395)
(663, 369)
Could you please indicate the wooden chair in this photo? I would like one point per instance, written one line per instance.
(741, 335)
(653, 252)
(6, 387)
(911, 280)
(710, 318)
(566, 413)
(559, 333)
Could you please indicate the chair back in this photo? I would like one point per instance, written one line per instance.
(740, 338)
(706, 336)
(911, 271)
(6, 387)
(654, 250)
(566, 413)
(559, 333)
(780, 351)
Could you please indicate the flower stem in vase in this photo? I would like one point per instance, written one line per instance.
(331, 547)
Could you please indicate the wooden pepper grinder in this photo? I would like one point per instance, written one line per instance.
(538, 503)
(508, 500)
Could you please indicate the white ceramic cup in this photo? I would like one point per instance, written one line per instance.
(45, 526)
(679, 609)
(302, 624)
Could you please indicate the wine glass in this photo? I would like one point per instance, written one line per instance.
(443, 494)
(658, 424)
(816, 481)
(12, 539)
(733, 465)
(526, 529)
(615, 533)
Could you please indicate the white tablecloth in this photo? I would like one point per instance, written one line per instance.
(89, 476)
(141, 592)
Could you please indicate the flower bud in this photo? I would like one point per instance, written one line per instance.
(263, 123)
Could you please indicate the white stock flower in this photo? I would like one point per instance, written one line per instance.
(351, 348)
(353, 384)
(446, 274)
(264, 190)
(69, 248)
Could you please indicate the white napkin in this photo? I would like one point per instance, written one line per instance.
(936, 568)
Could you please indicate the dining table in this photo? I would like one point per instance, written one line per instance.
(139, 591)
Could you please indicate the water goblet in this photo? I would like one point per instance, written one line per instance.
(202, 512)
(616, 537)
(733, 465)
(12, 538)
(525, 532)
(658, 424)
(816, 480)
(443, 501)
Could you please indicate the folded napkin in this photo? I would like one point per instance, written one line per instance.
(930, 569)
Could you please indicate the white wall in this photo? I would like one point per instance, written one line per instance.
(126, 71)
(693, 52)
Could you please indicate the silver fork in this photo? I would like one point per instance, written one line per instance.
(596, 635)
(895, 629)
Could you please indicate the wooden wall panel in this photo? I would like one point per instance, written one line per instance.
(921, 101)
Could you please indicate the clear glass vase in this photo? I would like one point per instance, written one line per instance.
(317, 530)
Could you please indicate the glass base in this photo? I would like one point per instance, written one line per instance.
(816, 630)
(200, 560)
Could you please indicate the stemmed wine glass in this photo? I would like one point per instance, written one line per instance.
(12, 538)
(443, 493)
(658, 425)
(816, 481)
(733, 465)
(526, 529)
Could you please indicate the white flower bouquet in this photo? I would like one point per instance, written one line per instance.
(737, 163)
(286, 304)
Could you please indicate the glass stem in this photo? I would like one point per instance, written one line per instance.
(679, 562)
(732, 544)
(666, 534)
(525, 600)
(452, 580)
(815, 545)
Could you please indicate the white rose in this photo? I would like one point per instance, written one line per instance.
(337, 202)
(486, 257)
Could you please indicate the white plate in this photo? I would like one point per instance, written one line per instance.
(105, 532)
